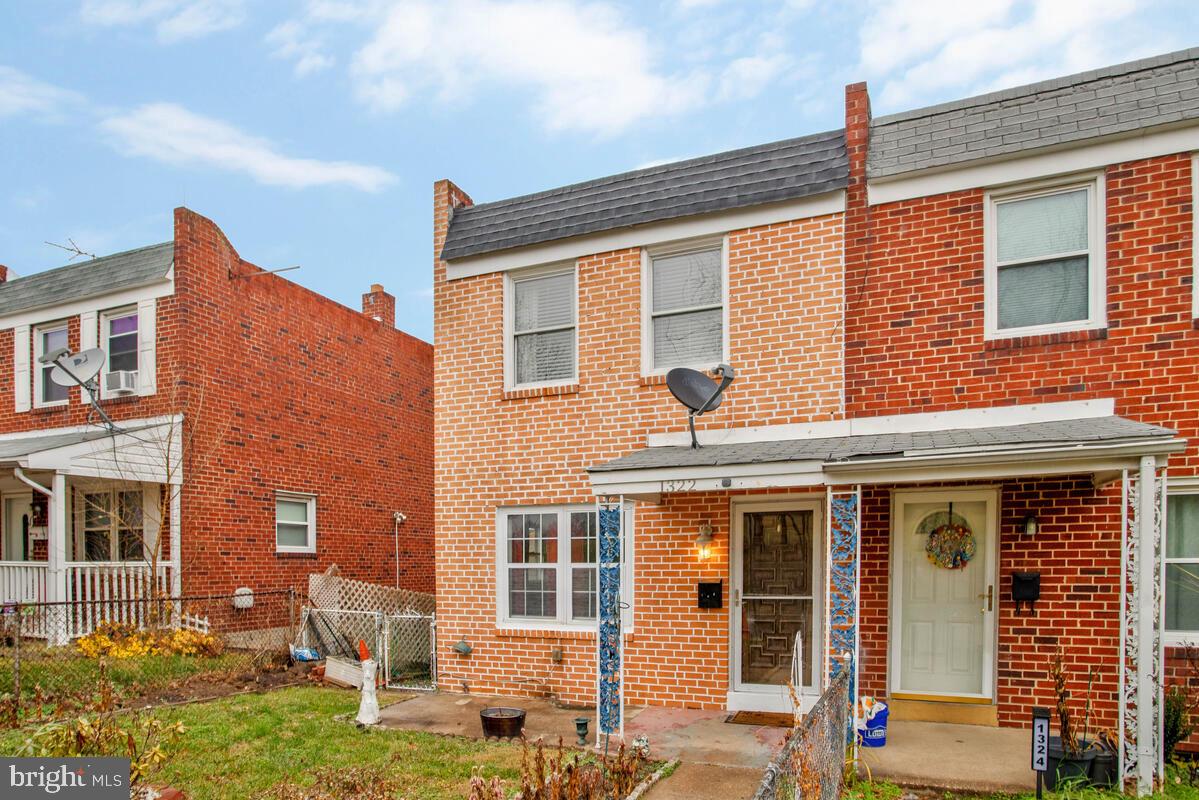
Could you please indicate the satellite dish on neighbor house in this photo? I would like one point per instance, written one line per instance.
(698, 392)
(73, 369)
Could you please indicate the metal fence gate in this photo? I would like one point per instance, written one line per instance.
(410, 651)
(404, 644)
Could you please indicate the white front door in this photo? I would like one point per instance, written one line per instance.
(777, 591)
(944, 594)
(16, 526)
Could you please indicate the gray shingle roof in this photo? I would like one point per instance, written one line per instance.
(1105, 430)
(786, 170)
(1121, 99)
(87, 278)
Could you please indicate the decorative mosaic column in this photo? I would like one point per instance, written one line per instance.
(844, 574)
(610, 696)
(1141, 667)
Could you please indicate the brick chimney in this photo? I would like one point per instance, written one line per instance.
(379, 305)
(3, 274)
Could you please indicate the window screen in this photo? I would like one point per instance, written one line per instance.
(543, 326)
(687, 316)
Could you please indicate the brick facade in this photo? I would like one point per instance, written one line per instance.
(282, 390)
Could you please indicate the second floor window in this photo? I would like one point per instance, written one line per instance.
(686, 302)
(543, 328)
(46, 391)
(1045, 264)
(120, 340)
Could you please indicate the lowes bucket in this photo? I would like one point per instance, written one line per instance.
(874, 734)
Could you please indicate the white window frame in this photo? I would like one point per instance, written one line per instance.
(510, 281)
(1177, 486)
(38, 367)
(105, 318)
(296, 497)
(563, 622)
(1096, 255)
(648, 254)
(114, 526)
(1195, 235)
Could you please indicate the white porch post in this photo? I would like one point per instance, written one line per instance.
(1147, 599)
(56, 560)
(176, 539)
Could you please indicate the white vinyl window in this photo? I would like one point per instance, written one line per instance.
(1182, 565)
(295, 523)
(541, 320)
(118, 338)
(685, 297)
(113, 525)
(1195, 236)
(47, 339)
(1045, 260)
(546, 566)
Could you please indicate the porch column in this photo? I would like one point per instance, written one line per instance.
(176, 514)
(609, 638)
(843, 603)
(56, 561)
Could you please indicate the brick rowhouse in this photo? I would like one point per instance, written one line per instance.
(281, 389)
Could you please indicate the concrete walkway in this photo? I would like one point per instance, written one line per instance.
(725, 761)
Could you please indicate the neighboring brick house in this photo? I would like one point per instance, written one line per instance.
(264, 432)
(975, 320)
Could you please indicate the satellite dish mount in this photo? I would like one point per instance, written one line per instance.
(79, 369)
(698, 392)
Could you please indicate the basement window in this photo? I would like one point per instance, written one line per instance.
(1044, 260)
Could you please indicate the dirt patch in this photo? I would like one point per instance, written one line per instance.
(213, 686)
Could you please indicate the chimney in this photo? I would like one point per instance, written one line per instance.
(3, 274)
(379, 305)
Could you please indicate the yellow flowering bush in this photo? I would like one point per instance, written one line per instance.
(121, 640)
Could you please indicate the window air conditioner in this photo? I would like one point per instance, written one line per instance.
(122, 381)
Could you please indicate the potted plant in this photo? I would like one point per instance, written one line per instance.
(1070, 753)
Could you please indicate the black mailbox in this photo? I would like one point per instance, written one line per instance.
(711, 595)
(1026, 589)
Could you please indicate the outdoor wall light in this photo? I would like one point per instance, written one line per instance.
(703, 542)
(462, 647)
(1030, 525)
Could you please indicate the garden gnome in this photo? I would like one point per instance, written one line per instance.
(368, 709)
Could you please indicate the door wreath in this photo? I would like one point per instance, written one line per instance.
(951, 542)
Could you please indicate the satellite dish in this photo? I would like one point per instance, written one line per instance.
(73, 369)
(698, 392)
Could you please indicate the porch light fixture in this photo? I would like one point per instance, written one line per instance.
(1030, 525)
(703, 542)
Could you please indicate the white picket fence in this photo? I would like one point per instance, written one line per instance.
(96, 592)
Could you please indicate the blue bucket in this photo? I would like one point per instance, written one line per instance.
(875, 734)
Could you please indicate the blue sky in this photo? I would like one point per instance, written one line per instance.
(312, 132)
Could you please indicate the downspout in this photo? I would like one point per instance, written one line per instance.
(23, 478)
(399, 517)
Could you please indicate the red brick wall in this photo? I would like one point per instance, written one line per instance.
(533, 447)
(282, 389)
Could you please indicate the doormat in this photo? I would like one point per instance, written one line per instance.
(761, 719)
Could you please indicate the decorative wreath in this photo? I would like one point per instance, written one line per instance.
(951, 545)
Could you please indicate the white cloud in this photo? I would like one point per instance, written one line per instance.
(748, 76)
(291, 40)
(927, 50)
(585, 66)
(173, 135)
(173, 20)
(24, 95)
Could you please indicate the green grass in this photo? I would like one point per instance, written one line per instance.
(238, 746)
(71, 673)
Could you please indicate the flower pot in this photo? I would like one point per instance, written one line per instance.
(1066, 770)
(502, 723)
(1104, 767)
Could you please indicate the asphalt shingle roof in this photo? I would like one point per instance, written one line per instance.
(1121, 99)
(1098, 430)
(786, 170)
(87, 278)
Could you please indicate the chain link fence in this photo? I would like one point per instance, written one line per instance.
(149, 650)
(404, 644)
(812, 762)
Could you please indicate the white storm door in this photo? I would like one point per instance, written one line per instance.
(943, 619)
(777, 598)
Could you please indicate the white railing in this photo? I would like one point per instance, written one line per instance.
(102, 592)
(23, 581)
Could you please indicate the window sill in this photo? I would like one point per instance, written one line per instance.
(47, 411)
(540, 391)
(1046, 339)
(508, 631)
(653, 380)
(295, 553)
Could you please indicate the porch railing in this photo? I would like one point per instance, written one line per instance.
(96, 591)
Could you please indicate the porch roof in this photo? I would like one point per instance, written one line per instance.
(1099, 445)
(16, 451)
(141, 450)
